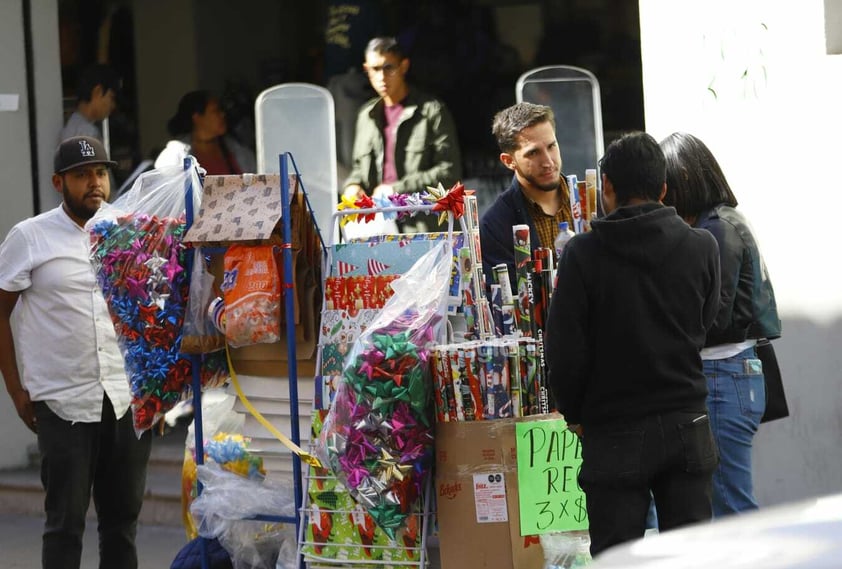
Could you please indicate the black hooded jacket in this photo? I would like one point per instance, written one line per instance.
(635, 299)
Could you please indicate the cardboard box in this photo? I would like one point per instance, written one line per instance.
(477, 498)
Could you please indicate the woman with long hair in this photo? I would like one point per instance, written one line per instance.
(697, 188)
(199, 128)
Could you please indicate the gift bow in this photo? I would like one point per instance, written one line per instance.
(365, 202)
(348, 202)
(452, 201)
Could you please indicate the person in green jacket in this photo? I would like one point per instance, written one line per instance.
(405, 139)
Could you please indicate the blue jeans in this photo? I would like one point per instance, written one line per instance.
(736, 401)
(624, 465)
(105, 460)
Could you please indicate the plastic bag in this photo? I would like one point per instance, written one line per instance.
(200, 335)
(139, 259)
(566, 550)
(223, 509)
(377, 438)
(218, 415)
(252, 293)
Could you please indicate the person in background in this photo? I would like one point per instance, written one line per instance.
(96, 96)
(199, 129)
(538, 195)
(634, 301)
(405, 139)
(697, 188)
(72, 389)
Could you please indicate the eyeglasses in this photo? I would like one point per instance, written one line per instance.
(388, 69)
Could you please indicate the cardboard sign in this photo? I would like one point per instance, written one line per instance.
(548, 461)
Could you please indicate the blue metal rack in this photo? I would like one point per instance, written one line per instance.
(287, 288)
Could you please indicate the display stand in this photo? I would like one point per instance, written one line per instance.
(334, 548)
(287, 290)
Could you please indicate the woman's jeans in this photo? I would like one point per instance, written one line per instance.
(78, 460)
(736, 401)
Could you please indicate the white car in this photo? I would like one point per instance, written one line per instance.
(806, 534)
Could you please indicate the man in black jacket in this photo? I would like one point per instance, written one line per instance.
(634, 300)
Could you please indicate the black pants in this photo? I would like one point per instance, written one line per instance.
(106, 460)
(671, 455)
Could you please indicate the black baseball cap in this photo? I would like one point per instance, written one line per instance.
(80, 151)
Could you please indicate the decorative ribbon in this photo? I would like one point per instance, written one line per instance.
(302, 454)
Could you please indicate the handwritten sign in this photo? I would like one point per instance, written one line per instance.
(548, 461)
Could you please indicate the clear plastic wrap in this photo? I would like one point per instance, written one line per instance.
(139, 259)
(218, 416)
(223, 510)
(566, 550)
(377, 438)
(200, 335)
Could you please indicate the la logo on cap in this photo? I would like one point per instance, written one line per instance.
(86, 149)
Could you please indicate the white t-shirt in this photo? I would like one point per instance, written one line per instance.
(65, 338)
(724, 351)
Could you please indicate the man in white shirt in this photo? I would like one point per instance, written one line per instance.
(71, 387)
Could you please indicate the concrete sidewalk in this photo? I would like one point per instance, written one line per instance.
(20, 544)
(160, 534)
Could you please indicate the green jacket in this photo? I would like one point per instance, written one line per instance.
(426, 151)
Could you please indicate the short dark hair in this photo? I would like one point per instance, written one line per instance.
(93, 75)
(635, 165)
(193, 102)
(509, 123)
(695, 182)
(385, 45)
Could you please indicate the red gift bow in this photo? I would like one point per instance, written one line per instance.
(453, 200)
(365, 202)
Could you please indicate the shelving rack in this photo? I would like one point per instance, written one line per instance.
(287, 288)
(348, 555)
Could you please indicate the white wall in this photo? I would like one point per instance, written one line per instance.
(16, 191)
(753, 80)
(16, 188)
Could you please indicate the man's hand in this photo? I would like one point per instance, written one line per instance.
(25, 409)
(576, 429)
(354, 191)
(383, 191)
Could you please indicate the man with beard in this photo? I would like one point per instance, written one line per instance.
(538, 195)
(71, 390)
(405, 139)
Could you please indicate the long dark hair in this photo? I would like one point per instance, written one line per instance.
(695, 182)
(193, 102)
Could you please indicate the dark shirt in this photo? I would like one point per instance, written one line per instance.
(495, 228)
